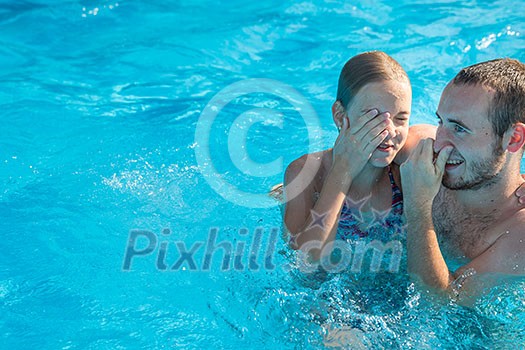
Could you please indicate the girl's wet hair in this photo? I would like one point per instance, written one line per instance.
(368, 67)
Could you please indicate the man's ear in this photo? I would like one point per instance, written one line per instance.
(338, 113)
(514, 138)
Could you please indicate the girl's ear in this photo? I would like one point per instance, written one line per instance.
(338, 113)
(514, 138)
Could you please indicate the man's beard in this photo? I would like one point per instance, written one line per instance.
(482, 173)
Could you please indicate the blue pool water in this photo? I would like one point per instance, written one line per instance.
(100, 104)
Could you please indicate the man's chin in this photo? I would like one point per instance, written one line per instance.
(461, 185)
(450, 184)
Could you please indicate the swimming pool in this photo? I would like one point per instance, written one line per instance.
(101, 102)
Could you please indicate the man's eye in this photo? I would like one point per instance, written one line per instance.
(458, 129)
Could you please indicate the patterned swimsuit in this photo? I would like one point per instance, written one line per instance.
(384, 226)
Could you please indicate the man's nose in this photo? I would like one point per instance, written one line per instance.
(442, 139)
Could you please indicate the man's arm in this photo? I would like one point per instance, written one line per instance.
(504, 259)
(505, 255)
(424, 255)
(421, 180)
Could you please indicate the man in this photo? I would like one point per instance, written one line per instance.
(460, 205)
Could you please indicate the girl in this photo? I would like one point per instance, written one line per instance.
(356, 189)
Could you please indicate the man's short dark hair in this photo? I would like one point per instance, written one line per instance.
(506, 78)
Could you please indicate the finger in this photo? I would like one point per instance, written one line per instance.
(416, 152)
(378, 118)
(375, 142)
(428, 150)
(372, 129)
(425, 147)
(364, 119)
(520, 191)
(442, 158)
(389, 124)
(365, 136)
(391, 130)
(387, 117)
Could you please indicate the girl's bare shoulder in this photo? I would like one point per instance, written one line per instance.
(313, 165)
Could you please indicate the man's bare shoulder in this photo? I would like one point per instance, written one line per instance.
(512, 223)
(509, 248)
(516, 223)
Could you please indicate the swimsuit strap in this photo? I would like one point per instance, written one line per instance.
(391, 176)
(397, 196)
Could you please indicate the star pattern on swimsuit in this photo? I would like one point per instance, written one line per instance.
(378, 217)
(378, 220)
(359, 204)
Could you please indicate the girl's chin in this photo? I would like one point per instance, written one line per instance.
(380, 163)
(381, 159)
